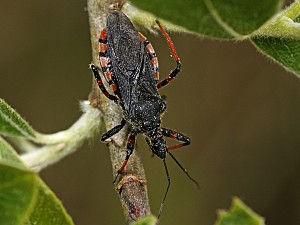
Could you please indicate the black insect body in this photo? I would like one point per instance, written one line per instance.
(130, 66)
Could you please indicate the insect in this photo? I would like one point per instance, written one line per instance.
(130, 67)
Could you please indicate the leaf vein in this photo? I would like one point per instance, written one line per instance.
(221, 22)
(12, 122)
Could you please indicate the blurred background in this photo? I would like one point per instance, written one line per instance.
(241, 111)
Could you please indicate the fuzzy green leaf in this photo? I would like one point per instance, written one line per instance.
(242, 16)
(12, 124)
(36, 203)
(284, 51)
(239, 214)
(48, 209)
(17, 194)
(7, 153)
(149, 220)
(277, 37)
(214, 18)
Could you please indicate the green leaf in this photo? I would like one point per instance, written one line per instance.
(241, 16)
(149, 220)
(284, 51)
(275, 34)
(24, 198)
(7, 153)
(48, 209)
(17, 194)
(283, 47)
(12, 124)
(214, 18)
(239, 214)
(280, 38)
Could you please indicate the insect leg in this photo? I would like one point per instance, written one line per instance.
(130, 147)
(177, 136)
(176, 58)
(102, 87)
(105, 63)
(100, 83)
(150, 50)
(186, 141)
(113, 131)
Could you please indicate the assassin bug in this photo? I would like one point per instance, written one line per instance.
(130, 67)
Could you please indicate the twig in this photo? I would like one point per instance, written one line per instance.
(131, 185)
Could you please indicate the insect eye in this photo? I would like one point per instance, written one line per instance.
(158, 146)
(163, 106)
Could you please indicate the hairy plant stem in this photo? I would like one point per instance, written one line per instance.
(54, 147)
(131, 185)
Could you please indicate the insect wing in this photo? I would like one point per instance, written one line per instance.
(146, 83)
(126, 52)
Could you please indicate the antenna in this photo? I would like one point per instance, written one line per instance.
(185, 171)
(167, 190)
(169, 181)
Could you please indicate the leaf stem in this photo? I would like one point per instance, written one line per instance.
(293, 11)
(63, 143)
(283, 24)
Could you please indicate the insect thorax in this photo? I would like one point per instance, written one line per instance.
(144, 115)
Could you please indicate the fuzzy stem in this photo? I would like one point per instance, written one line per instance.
(59, 145)
(131, 185)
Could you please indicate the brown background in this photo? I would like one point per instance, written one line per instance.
(240, 110)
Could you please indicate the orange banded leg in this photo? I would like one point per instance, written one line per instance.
(101, 85)
(150, 50)
(186, 141)
(174, 72)
(105, 63)
(130, 147)
(103, 56)
(177, 136)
